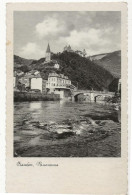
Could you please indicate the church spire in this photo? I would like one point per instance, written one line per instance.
(48, 54)
(48, 49)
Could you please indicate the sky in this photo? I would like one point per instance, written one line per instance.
(96, 32)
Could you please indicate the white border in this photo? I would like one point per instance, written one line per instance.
(2, 94)
(3, 81)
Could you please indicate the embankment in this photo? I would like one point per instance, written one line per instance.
(26, 96)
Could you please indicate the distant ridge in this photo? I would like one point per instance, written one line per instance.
(98, 56)
(109, 61)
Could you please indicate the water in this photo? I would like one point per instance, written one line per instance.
(47, 123)
(57, 111)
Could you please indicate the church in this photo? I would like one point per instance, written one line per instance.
(51, 63)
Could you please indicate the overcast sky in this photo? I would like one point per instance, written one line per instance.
(97, 32)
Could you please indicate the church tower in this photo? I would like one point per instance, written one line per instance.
(48, 54)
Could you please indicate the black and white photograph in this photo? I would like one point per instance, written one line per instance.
(67, 84)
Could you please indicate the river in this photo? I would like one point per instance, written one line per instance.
(49, 128)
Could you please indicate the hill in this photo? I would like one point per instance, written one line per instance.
(98, 56)
(21, 63)
(82, 71)
(109, 61)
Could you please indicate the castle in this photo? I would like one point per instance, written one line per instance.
(69, 49)
(66, 48)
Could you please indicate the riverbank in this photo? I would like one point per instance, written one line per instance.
(30, 96)
(88, 130)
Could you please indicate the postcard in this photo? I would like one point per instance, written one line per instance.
(66, 98)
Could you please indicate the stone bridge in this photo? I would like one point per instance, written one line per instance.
(92, 95)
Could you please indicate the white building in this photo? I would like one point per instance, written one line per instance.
(14, 81)
(58, 84)
(57, 66)
(57, 81)
(36, 83)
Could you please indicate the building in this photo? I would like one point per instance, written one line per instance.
(57, 81)
(36, 83)
(31, 80)
(119, 86)
(56, 66)
(81, 53)
(68, 48)
(19, 73)
(44, 82)
(20, 87)
(48, 54)
(84, 53)
(14, 79)
(59, 84)
(27, 77)
(49, 63)
(52, 65)
(24, 80)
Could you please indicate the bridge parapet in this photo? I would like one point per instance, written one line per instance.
(90, 91)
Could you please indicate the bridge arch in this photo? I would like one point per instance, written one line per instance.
(98, 98)
(86, 97)
(101, 97)
(76, 96)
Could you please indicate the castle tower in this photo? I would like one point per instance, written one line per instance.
(84, 53)
(48, 54)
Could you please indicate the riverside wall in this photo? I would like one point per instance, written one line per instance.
(28, 96)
